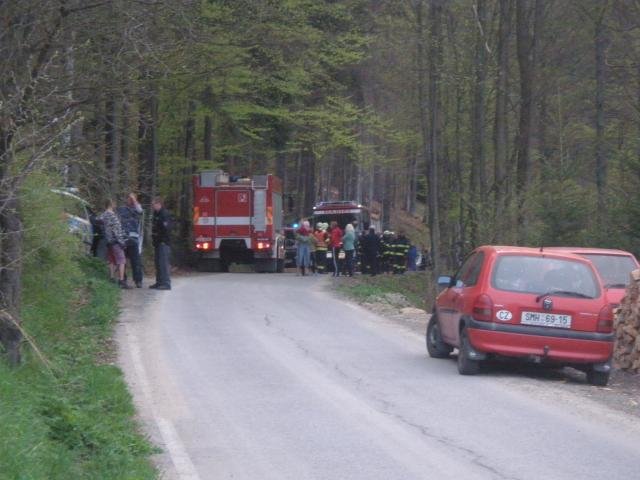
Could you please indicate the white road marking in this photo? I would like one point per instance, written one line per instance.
(182, 462)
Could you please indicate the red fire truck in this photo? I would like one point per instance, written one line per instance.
(238, 220)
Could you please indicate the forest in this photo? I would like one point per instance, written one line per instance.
(491, 121)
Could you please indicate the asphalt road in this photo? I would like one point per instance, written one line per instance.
(258, 376)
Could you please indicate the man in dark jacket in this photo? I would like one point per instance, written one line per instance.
(160, 235)
(371, 251)
(130, 218)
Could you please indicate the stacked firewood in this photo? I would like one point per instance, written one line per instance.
(627, 328)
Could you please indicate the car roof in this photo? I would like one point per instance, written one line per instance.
(534, 251)
(590, 251)
(69, 194)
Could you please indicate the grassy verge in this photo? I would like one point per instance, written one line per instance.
(66, 412)
(364, 288)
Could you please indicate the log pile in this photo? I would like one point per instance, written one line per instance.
(626, 354)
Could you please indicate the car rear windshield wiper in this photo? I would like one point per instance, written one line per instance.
(615, 285)
(566, 293)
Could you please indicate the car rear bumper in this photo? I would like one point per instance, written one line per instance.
(544, 343)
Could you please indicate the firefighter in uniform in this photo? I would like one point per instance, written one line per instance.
(400, 249)
(321, 239)
(360, 266)
(386, 252)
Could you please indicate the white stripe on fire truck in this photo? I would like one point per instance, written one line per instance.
(224, 221)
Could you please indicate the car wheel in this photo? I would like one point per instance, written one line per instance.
(435, 345)
(466, 366)
(599, 379)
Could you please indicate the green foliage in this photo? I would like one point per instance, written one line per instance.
(369, 289)
(563, 211)
(274, 76)
(66, 412)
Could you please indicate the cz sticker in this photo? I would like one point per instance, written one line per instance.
(504, 315)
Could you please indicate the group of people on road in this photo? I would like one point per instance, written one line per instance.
(328, 247)
(314, 249)
(386, 253)
(117, 237)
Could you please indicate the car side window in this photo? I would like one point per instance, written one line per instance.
(464, 270)
(474, 272)
(470, 271)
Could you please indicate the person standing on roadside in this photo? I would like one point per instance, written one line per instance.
(349, 247)
(131, 219)
(115, 239)
(312, 250)
(335, 242)
(371, 251)
(161, 238)
(400, 250)
(321, 239)
(303, 252)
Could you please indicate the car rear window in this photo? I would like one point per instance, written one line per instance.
(614, 269)
(539, 275)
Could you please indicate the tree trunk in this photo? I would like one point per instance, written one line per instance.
(112, 145)
(125, 147)
(500, 140)
(207, 154)
(309, 166)
(601, 160)
(638, 114)
(148, 149)
(386, 198)
(189, 168)
(10, 259)
(423, 107)
(526, 50)
(435, 61)
(478, 180)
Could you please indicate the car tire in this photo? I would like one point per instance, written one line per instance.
(435, 345)
(466, 366)
(599, 379)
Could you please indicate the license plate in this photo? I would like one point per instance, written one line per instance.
(546, 319)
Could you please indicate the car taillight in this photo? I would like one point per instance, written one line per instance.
(263, 245)
(483, 308)
(203, 246)
(605, 320)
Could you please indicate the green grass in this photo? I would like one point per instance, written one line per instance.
(364, 288)
(66, 413)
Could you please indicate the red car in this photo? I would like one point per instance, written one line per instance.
(544, 306)
(613, 266)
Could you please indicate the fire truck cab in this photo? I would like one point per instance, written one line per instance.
(238, 220)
